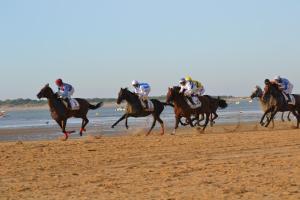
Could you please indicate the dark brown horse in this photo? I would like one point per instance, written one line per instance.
(182, 109)
(215, 104)
(135, 109)
(266, 103)
(280, 105)
(61, 114)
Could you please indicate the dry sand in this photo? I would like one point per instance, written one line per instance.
(227, 162)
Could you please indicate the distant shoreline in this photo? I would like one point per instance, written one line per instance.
(107, 104)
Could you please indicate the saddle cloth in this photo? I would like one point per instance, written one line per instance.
(197, 103)
(74, 104)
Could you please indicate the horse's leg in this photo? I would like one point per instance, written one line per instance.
(161, 124)
(264, 115)
(212, 120)
(177, 119)
(289, 116)
(272, 117)
(282, 117)
(206, 121)
(63, 126)
(122, 118)
(85, 121)
(191, 122)
(297, 117)
(153, 124)
(126, 122)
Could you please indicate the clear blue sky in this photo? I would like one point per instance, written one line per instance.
(99, 46)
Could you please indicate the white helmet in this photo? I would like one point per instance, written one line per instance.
(135, 83)
(277, 78)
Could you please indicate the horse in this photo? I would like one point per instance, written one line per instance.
(182, 109)
(280, 105)
(215, 104)
(60, 113)
(135, 109)
(265, 104)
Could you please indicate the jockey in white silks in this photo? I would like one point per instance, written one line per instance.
(65, 91)
(142, 90)
(188, 89)
(285, 86)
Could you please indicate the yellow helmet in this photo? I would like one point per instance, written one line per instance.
(188, 78)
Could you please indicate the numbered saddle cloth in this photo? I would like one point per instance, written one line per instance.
(74, 104)
(196, 101)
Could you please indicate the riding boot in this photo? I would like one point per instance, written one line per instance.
(68, 103)
(146, 104)
(289, 98)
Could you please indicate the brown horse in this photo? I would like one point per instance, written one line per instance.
(182, 109)
(61, 114)
(266, 103)
(280, 105)
(135, 109)
(215, 104)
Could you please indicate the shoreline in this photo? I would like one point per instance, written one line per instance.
(54, 132)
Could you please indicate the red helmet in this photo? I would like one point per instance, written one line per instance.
(59, 82)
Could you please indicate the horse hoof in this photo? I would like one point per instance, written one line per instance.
(80, 134)
(112, 126)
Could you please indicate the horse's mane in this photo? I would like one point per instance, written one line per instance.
(176, 88)
(131, 93)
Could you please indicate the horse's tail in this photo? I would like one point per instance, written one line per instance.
(168, 104)
(94, 107)
(222, 103)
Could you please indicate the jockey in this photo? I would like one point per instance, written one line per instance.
(187, 88)
(199, 87)
(65, 91)
(285, 86)
(142, 90)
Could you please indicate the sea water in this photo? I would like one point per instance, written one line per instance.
(102, 119)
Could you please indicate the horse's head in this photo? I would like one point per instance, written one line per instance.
(122, 95)
(171, 95)
(46, 92)
(257, 92)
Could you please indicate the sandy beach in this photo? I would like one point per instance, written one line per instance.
(227, 162)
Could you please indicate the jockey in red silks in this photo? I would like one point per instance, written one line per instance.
(65, 91)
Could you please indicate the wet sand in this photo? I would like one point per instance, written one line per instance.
(227, 162)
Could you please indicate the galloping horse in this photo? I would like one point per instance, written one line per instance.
(135, 109)
(280, 105)
(182, 109)
(215, 104)
(265, 104)
(61, 114)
